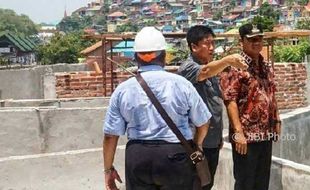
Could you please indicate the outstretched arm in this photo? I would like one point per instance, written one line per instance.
(215, 67)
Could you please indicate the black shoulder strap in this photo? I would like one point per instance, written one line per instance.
(164, 114)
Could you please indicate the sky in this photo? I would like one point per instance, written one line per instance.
(48, 11)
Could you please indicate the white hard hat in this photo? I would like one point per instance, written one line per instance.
(149, 39)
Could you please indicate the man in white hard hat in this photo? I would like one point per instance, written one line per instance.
(155, 159)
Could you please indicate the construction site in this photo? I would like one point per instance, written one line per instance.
(52, 117)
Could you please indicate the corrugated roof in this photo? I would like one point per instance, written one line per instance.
(13, 40)
(22, 43)
(182, 17)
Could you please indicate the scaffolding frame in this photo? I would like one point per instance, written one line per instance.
(109, 38)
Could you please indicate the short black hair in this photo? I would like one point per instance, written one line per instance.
(198, 33)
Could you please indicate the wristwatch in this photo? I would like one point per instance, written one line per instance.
(108, 171)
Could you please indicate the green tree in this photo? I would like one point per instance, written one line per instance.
(267, 23)
(303, 2)
(268, 17)
(74, 23)
(20, 24)
(150, 22)
(289, 3)
(128, 27)
(232, 4)
(63, 48)
(218, 15)
(100, 20)
(303, 24)
(292, 53)
(267, 10)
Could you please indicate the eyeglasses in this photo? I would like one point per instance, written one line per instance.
(208, 42)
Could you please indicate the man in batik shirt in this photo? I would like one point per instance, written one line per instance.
(249, 96)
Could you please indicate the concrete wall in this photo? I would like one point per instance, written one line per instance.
(294, 144)
(34, 131)
(28, 83)
(70, 140)
(57, 103)
(41, 129)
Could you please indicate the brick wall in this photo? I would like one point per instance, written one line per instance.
(290, 80)
(85, 84)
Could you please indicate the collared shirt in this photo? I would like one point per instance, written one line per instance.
(210, 92)
(131, 110)
(254, 92)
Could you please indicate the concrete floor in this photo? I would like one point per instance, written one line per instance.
(58, 148)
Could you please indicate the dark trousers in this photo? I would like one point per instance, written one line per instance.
(157, 165)
(212, 155)
(252, 171)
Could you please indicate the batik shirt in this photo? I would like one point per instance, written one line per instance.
(254, 92)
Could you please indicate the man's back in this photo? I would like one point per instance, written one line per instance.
(140, 118)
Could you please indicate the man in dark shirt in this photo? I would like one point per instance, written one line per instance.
(201, 70)
(249, 96)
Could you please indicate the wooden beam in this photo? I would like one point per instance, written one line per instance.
(131, 36)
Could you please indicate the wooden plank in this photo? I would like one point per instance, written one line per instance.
(121, 37)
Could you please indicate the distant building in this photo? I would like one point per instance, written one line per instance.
(17, 49)
(80, 11)
(216, 26)
(46, 32)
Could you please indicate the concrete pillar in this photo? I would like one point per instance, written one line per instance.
(49, 84)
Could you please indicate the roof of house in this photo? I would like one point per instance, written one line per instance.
(95, 8)
(135, 1)
(178, 11)
(92, 48)
(22, 43)
(176, 4)
(238, 9)
(116, 14)
(167, 28)
(79, 10)
(182, 17)
(231, 17)
(151, 1)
